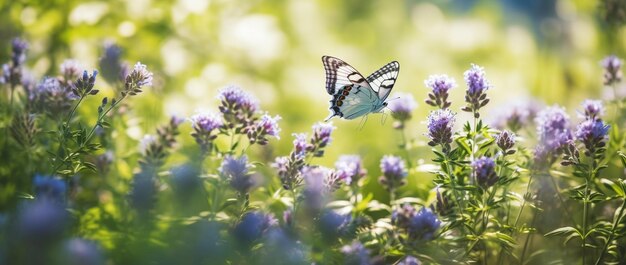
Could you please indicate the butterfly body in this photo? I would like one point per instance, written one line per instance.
(352, 94)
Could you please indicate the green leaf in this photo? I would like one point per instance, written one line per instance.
(564, 231)
(618, 189)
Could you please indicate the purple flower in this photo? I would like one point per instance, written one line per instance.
(442, 205)
(321, 138)
(236, 171)
(185, 180)
(356, 254)
(409, 260)
(300, 144)
(515, 116)
(477, 85)
(288, 169)
(592, 109)
(42, 222)
(49, 188)
(237, 106)
(401, 108)
(253, 226)
(505, 140)
(204, 125)
(593, 134)
(136, 79)
(440, 85)
(143, 193)
(18, 55)
(551, 122)
(321, 133)
(394, 172)
(113, 69)
(83, 86)
(206, 122)
(350, 169)
(440, 123)
(612, 70)
(419, 225)
(51, 96)
(71, 70)
(484, 172)
(264, 127)
(318, 182)
(79, 251)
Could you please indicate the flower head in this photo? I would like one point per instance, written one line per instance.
(206, 125)
(440, 85)
(83, 85)
(113, 69)
(236, 171)
(410, 260)
(333, 225)
(515, 116)
(42, 222)
(440, 123)
(237, 106)
(592, 109)
(318, 182)
(185, 180)
(18, 55)
(143, 193)
(612, 70)
(419, 225)
(477, 85)
(253, 226)
(394, 172)
(264, 127)
(71, 70)
(505, 140)
(552, 126)
(49, 188)
(484, 172)
(350, 169)
(401, 108)
(593, 134)
(321, 137)
(136, 79)
(49, 95)
(300, 144)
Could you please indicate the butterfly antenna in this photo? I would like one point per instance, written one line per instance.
(383, 119)
(362, 123)
(330, 117)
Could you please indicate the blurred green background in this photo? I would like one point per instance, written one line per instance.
(545, 49)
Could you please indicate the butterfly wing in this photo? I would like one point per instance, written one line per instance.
(352, 95)
(383, 79)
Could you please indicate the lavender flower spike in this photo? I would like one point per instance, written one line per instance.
(321, 137)
(237, 106)
(592, 109)
(612, 70)
(593, 134)
(477, 85)
(136, 79)
(505, 140)
(394, 172)
(484, 172)
(300, 144)
(266, 126)
(440, 123)
(401, 109)
(236, 171)
(350, 168)
(440, 85)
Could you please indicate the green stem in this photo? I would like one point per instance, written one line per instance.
(532, 223)
(616, 221)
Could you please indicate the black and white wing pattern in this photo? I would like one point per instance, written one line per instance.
(340, 74)
(353, 95)
(383, 79)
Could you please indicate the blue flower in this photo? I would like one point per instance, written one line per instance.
(394, 172)
(113, 69)
(18, 55)
(318, 182)
(440, 124)
(143, 193)
(593, 134)
(484, 172)
(253, 226)
(552, 127)
(321, 134)
(419, 226)
(333, 225)
(440, 85)
(185, 180)
(206, 122)
(50, 96)
(79, 251)
(233, 97)
(300, 144)
(236, 171)
(42, 222)
(49, 188)
(409, 260)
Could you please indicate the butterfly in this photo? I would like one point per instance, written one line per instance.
(353, 94)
